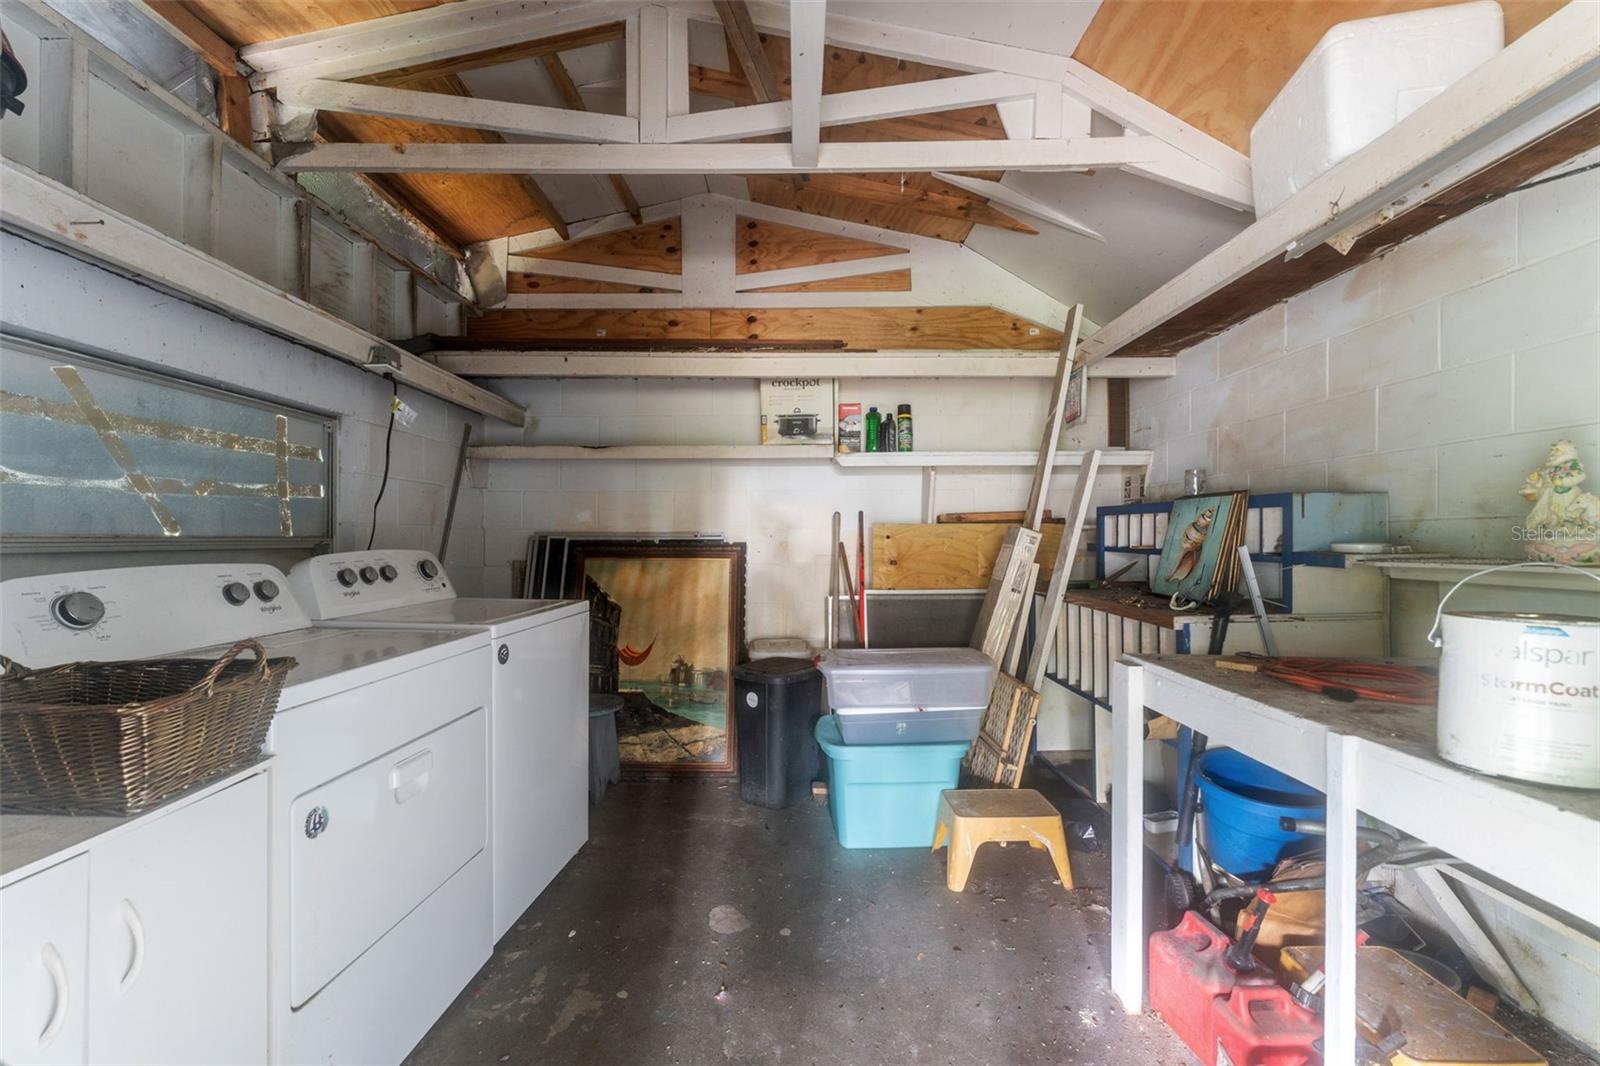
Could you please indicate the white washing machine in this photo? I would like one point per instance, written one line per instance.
(538, 708)
(380, 893)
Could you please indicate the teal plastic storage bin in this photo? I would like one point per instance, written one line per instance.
(886, 795)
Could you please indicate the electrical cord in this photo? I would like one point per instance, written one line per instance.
(1350, 680)
(388, 440)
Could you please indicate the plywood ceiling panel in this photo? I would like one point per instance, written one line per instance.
(656, 246)
(242, 22)
(527, 282)
(763, 246)
(811, 200)
(1217, 64)
(883, 281)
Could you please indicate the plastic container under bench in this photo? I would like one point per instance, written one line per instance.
(886, 795)
(908, 695)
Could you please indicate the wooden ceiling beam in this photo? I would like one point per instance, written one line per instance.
(188, 30)
(511, 53)
(667, 362)
(564, 84)
(748, 50)
(806, 48)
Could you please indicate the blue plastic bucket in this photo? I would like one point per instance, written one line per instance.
(1243, 800)
(886, 795)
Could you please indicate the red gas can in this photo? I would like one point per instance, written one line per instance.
(1188, 978)
(1260, 1025)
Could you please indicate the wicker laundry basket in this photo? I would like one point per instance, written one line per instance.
(120, 737)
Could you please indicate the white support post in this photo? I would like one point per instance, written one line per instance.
(1047, 113)
(708, 251)
(63, 107)
(806, 22)
(78, 131)
(654, 80)
(930, 491)
(1339, 994)
(677, 62)
(630, 65)
(1127, 835)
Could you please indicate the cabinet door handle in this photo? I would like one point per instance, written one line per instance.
(130, 918)
(57, 969)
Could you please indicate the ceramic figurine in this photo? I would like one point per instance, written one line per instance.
(1564, 525)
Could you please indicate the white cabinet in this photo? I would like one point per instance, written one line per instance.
(178, 935)
(43, 961)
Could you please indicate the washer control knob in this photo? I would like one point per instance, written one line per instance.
(236, 592)
(428, 569)
(78, 610)
(346, 576)
(369, 575)
(388, 572)
(267, 591)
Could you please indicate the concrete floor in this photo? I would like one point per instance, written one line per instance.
(693, 928)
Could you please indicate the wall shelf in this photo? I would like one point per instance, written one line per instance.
(649, 452)
(1028, 460)
(1448, 569)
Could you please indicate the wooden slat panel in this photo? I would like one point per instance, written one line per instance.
(934, 328)
(525, 281)
(957, 555)
(685, 325)
(1217, 64)
(656, 246)
(764, 246)
(885, 281)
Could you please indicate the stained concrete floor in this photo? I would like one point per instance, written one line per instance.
(693, 928)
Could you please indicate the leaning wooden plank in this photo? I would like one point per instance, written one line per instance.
(1061, 574)
(71, 221)
(1003, 601)
(1019, 633)
(1059, 394)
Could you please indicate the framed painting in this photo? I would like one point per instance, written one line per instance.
(681, 633)
(1075, 385)
(1203, 532)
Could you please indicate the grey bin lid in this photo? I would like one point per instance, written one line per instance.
(604, 703)
(777, 671)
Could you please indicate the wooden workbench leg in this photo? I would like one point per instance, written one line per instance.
(1127, 836)
(1339, 995)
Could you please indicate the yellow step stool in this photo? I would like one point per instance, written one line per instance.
(970, 817)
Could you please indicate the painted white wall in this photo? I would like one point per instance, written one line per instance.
(782, 510)
(52, 297)
(1439, 374)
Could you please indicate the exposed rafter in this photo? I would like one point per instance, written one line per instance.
(806, 21)
(700, 364)
(746, 45)
(532, 120)
(559, 76)
(1077, 153)
(996, 193)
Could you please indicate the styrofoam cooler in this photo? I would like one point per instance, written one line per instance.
(1362, 78)
(908, 695)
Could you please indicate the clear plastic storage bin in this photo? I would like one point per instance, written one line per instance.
(908, 695)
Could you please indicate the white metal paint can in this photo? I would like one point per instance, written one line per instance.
(1519, 694)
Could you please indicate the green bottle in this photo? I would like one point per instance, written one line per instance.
(874, 420)
(902, 425)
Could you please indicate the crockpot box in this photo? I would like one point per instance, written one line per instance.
(797, 410)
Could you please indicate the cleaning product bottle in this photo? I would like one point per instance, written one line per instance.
(886, 436)
(902, 422)
(874, 420)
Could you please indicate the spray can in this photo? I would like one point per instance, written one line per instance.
(902, 424)
(873, 421)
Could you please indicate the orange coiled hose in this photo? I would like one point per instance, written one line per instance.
(1389, 682)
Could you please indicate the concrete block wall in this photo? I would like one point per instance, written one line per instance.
(52, 297)
(1440, 374)
(781, 509)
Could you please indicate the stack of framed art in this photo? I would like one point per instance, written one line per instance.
(1199, 560)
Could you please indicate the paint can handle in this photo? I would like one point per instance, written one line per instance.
(1433, 634)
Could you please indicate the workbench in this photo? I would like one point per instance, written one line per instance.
(1376, 758)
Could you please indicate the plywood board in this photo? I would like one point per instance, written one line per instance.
(526, 281)
(855, 328)
(930, 328)
(685, 325)
(763, 245)
(952, 555)
(778, 192)
(242, 22)
(1217, 64)
(656, 246)
(884, 281)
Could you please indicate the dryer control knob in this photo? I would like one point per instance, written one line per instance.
(236, 592)
(346, 576)
(388, 572)
(428, 569)
(78, 610)
(267, 591)
(369, 575)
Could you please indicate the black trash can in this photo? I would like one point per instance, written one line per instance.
(778, 702)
